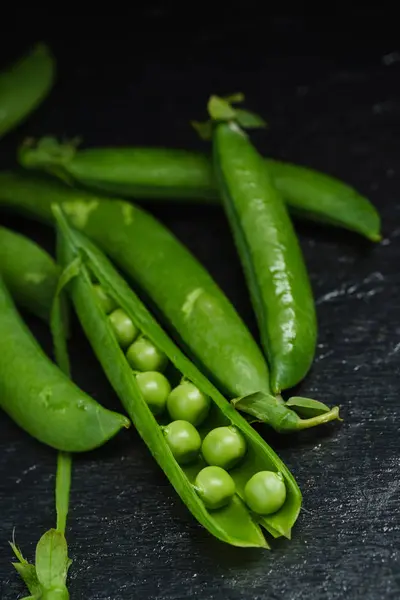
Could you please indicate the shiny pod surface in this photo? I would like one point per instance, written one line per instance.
(186, 176)
(233, 524)
(271, 257)
(192, 304)
(37, 395)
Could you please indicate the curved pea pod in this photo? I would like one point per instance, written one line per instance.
(134, 172)
(24, 85)
(20, 257)
(270, 254)
(193, 306)
(234, 523)
(29, 273)
(40, 398)
(316, 196)
(160, 174)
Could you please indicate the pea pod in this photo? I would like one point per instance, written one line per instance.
(270, 254)
(22, 258)
(24, 85)
(29, 273)
(159, 173)
(40, 398)
(233, 523)
(192, 304)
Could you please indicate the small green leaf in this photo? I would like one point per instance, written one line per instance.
(220, 110)
(204, 129)
(52, 560)
(306, 407)
(280, 416)
(249, 120)
(236, 98)
(26, 571)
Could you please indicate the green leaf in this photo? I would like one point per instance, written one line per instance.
(26, 571)
(249, 120)
(270, 409)
(236, 98)
(52, 560)
(306, 407)
(220, 110)
(204, 129)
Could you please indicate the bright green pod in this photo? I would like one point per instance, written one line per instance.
(22, 257)
(233, 523)
(40, 398)
(271, 256)
(192, 304)
(24, 85)
(29, 273)
(161, 174)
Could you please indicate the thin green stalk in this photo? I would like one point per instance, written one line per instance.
(63, 486)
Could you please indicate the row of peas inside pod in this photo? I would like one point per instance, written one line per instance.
(221, 449)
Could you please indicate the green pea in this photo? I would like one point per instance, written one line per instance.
(107, 303)
(184, 441)
(265, 492)
(143, 355)
(223, 447)
(187, 402)
(215, 487)
(155, 389)
(124, 329)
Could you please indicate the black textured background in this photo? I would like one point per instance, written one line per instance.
(330, 88)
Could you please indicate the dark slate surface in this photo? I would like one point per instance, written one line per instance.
(330, 89)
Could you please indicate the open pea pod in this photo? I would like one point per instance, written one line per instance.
(234, 524)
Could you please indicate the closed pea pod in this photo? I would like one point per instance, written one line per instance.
(29, 273)
(156, 173)
(40, 398)
(233, 523)
(24, 85)
(269, 251)
(196, 310)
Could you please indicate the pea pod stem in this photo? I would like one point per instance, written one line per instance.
(161, 173)
(232, 524)
(276, 413)
(44, 401)
(47, 578)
